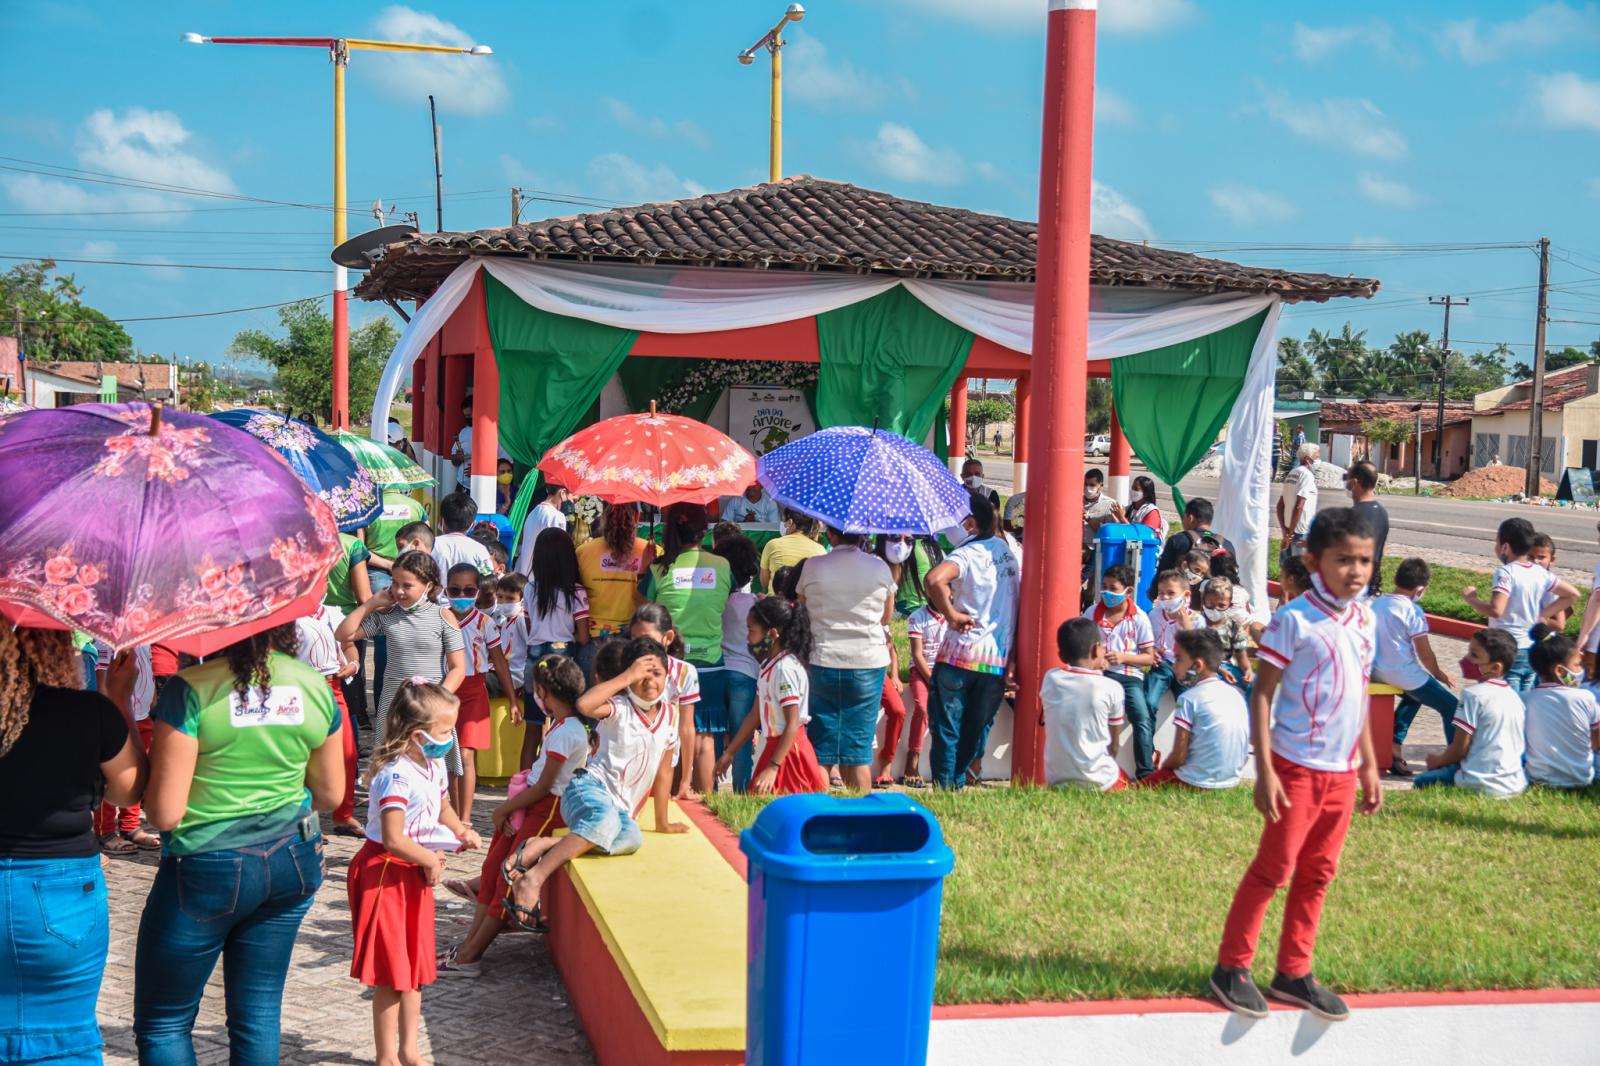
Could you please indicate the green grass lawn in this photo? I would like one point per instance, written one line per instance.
(1071, 895)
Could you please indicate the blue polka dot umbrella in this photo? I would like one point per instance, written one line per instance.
(861, 480)
(320, 460)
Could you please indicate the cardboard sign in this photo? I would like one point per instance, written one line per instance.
(1577, 485)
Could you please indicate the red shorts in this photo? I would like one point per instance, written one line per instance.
(799, 771)
(391, 914)
(472, 721)
(540, 820)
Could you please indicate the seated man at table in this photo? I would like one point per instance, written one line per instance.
(753, 506)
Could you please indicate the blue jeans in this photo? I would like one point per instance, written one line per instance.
(244, 904)
(1443, 776)
(1431, 694)
(1156, 684)
(1142, 718)
(53, 912)
(961, 707)
(1521, 677)
(739, 696)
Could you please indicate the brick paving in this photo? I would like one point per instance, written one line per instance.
(517, 1012)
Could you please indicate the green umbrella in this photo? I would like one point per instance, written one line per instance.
(389, 467)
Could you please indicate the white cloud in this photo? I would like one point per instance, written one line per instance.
(465, 85)
(145, 146)
(1245, 205)
(1545, 26)
(899, 153)
(1357, 126)
(1568, 101)
(1115, 16)
(812, 76)
(653, 127)
(1386, 191)
(1312, 43)
(1593, 185)
(1112, 215)
(1113, 109)
(620, 177)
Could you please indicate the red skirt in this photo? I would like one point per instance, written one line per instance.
(540, 820)
(472, 721)
(799, 771)
(391, 912)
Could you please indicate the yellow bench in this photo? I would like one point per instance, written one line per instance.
(652, 949)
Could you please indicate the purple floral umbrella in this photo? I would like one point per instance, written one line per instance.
(320, 460)
(138, 525)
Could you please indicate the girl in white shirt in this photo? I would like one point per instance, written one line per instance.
(1563, 724)
(780, 638)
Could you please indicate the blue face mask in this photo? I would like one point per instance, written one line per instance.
(463, 604)
(435, 749)
(1112, 599)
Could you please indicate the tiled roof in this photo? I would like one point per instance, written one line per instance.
(805, 223)
(1340, 411)
(1560, 388)
(139, 376)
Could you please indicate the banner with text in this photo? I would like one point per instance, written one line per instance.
(762, 419)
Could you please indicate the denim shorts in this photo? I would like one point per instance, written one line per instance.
(844, 714)
(54, 915)
(592, 813)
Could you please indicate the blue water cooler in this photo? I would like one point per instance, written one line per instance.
(1133, 545)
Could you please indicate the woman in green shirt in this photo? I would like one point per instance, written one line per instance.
(245, 751)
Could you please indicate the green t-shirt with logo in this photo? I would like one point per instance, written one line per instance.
(249, 776)
(339, 593)
(695, 589)
(399, 511)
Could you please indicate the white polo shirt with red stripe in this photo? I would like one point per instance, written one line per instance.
(1525, 585)
(783, 689)
(1129, 636)
(479, 634)
(417, 790)
(1492, 713)
(1214, 715)
(1080, 707)
(567, 744)
(630, 748)
(1325, 650)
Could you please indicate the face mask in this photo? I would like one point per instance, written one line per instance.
(1416, 596)
(972, 481)
(1190, 676)
(511, 610)
(463, 604)
(504, 479)
(1469, 669)
(434, 749)
(1172, 604)
(761, 649)
(1112, 599)
(1091, 493)
(640, 702)
(1215, 614)
(1192, 578)
(897, 551)
(1570, 678)
(957, 536)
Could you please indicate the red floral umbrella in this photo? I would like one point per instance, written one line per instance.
(650, 458)
(139, 526)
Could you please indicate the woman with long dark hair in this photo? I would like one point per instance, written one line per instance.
(610, 566)
(742, 670)
(244, 754)
(62, 751)
(1142, 509)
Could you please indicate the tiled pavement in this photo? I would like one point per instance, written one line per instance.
(517, 1012)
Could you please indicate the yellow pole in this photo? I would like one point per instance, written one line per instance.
(340, 57)
(776, 163)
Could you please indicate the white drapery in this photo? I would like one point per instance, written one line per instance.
(670, 299)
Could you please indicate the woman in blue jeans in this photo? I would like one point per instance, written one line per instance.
(245, 751)
(62, 751)
(740, 668)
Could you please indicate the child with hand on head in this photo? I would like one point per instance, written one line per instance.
(480, 639)
(1308, 718)
(1170, 615)
(531, 809)
(637, 733)
(1520, 596)
(780, 639)
(651, 621)
(1231, 627)
(410, 824)
(1211, 738)
(1405, 658)
(1082, 713)
(1563, 717)
(1485, 755)
(925, 631)
(1129, 647)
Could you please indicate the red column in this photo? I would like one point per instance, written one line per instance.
(958, 423)
(1051, 567)
(419, 399)
(1120, 460)
(485, 412)
(1019, 434)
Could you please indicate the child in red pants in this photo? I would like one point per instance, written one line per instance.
(118, 827)
(1315, 658)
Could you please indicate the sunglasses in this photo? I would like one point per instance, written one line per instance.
(453, 590)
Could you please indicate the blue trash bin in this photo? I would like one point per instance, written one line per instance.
(834, 882)
(1132, 544)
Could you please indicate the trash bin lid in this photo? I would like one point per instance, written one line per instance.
(881, 837)
(1113, 532)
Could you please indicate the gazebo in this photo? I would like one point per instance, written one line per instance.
(875, 307)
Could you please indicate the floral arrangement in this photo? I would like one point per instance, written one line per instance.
(713, 376)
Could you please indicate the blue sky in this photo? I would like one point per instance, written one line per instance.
(1229, 126)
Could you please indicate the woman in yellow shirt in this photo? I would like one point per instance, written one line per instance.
(798, 542)
(609, 567)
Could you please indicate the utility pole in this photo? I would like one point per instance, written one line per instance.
(1446, 302)
(1536, 404)
(438, 170)
(1416, 456)
(516, 204)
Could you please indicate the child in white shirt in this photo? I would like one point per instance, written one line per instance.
(1405, 659)
(1486, 754)
(1130, 648)
(925, 631)
(1170, 615)
(780, 637)
(1211, 741)
(1519, 598)
(1563, 722)
(1082, 711)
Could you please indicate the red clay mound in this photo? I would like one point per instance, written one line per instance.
(1494, 481)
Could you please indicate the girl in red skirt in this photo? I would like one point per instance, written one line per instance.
(409, 825)
(780, 639)
(480, 639)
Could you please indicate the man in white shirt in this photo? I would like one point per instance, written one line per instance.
(456, 515)
(1082, 711)
(546, 515)
(1298, 504)
(754, 506)
(461, 452)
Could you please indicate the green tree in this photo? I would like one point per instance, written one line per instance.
(304, 355)
(1098, 410)
(55, 322)
(1387, 431)
(1296, 372)
(986, 412)
(1553, 361)
(1467, 375)
(1342, 360)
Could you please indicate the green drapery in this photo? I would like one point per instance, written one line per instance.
(1173, 401)
(646, 377)
(552, 369)
(889, 360)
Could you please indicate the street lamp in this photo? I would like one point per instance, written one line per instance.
(773, 42)
(339, 49)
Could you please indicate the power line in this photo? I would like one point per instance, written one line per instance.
(175, 266)
(168, 318)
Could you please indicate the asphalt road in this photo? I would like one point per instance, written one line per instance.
(1463, 527)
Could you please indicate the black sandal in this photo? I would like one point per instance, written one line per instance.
(520, 917)
(514, 862)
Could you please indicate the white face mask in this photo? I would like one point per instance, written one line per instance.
(897, 551)
(640, 702)
(1215, 614)
(957, 536)
(973, 481)
(1173, 604)
(1091, 492)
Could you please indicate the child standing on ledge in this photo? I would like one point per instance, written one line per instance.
(1308, 715)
